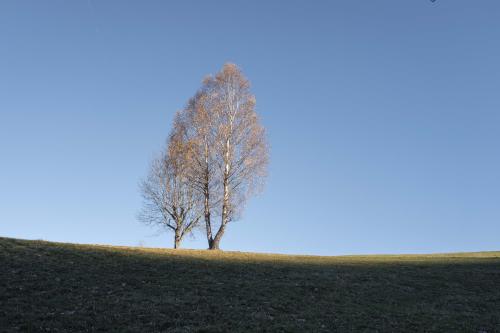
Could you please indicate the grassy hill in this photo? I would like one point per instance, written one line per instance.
(57, 287)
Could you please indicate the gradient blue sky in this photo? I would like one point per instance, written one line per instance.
(383, 118)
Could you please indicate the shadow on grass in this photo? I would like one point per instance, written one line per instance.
(63, 287)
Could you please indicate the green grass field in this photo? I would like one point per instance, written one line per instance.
(56, 287)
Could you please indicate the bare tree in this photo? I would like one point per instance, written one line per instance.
(169, 199)
(227, 147)
(194, 126)
(242, 150)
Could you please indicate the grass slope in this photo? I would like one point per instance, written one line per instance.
(67, 288)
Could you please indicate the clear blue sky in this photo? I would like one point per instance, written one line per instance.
(383, 118)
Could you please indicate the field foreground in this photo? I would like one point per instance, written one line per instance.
(56, 287)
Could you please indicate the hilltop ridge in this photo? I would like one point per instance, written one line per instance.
(47, 286)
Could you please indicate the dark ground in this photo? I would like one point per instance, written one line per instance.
(54, 287)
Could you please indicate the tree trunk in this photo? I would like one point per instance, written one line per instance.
(215, 244)
(225, 201)
(225, 218)
(177, 239)
(207, 216)
(225, 205)
(206, 193)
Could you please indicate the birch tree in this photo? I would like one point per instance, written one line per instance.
(170, 201)
(241, 150)
(228, 148)
(195, 125)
